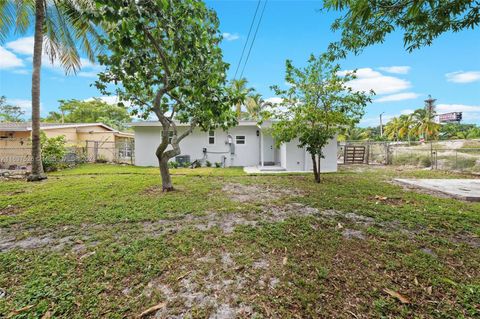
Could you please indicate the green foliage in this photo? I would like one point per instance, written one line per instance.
(167, 57)
(95, 111)
(66, 28)
(53, 151)
(317, 106)
(208, 164)
(218, 164)
(364, 22)
(10, 113)
(173, 164)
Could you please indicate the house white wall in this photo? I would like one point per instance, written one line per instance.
(147, 139)
(291, 157)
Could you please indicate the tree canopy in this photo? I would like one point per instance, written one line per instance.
(366, 22)
(165, 58)
(94, 111)
(9, 112)
(317, 106)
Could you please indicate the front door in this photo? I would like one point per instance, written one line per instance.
(268, 150)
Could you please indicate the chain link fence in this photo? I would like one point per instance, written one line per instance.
(458, 155)
(16, 153)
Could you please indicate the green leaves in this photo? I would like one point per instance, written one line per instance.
(368, 22)
(317, 105)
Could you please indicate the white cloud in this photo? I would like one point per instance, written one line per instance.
(9, 60)
(406, 112)
(274, 100)
(21, 71)
(396, 69)
(230, 36)
(398, 97)
(463, 77)
(111, 99)
(23, 46)
(369, 79)
(446, 108)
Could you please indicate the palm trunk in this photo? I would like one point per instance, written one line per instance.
(37, 173)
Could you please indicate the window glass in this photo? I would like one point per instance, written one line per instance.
(240, 139)
(170, 136)
(211, 137)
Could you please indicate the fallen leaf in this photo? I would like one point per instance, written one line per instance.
(20, 310)
(151, 309)
(285, 259)
(415, 280)
(397, 295)
(429, 290)
(47, 315)
(339, 226)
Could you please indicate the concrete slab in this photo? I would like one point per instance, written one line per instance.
(465, 189)
(268, 170)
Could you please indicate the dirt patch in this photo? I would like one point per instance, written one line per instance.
(10, 210)
(213, 291)
(257, 193)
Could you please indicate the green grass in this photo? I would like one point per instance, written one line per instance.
(124, 241)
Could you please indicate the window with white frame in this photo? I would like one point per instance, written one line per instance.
(211, 137)
(240, 139)
(170, 136)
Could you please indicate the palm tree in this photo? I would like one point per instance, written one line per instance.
(255, 105)
(392, 129)
(240, 93)
(60, 27)
(406, 126)
(425, 125)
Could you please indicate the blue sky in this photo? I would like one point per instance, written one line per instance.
(449, 70)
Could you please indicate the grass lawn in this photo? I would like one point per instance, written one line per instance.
(101, 241)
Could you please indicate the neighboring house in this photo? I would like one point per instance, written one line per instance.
(247, 144)
(97, 139)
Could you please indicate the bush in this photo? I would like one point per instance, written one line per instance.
(187, 164)
(463, 163)
(208, 163)
(173, 164)
(101, 159)
(218, 164)
(53, 152)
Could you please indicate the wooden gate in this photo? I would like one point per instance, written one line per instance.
(354, 154)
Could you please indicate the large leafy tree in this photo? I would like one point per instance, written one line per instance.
(94, 111)
(256, 107)
(318, 105)
(60, 30)
(167, 58)
(9, 112)
(366, 22)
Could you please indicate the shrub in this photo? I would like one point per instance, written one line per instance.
(173, 164)
(53, 152)
(208, 163)
(187, 164)
(425, 161)
(218, 164)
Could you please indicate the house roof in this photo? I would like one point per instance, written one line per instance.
(27, 126)
(157, 123)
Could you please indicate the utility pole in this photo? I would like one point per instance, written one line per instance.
(381, 124)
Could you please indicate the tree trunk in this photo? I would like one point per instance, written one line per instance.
(37, 173)
(318, 167)
(316, 173)
(167, 185)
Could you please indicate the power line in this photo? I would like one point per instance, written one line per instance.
(254, 37)
(246, 41)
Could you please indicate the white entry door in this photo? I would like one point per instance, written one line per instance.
(268, 149)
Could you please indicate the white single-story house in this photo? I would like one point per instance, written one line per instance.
(248, 144)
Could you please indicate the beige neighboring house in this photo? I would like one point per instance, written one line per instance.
(97, 140)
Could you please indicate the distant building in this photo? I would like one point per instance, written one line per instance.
(98, 140)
